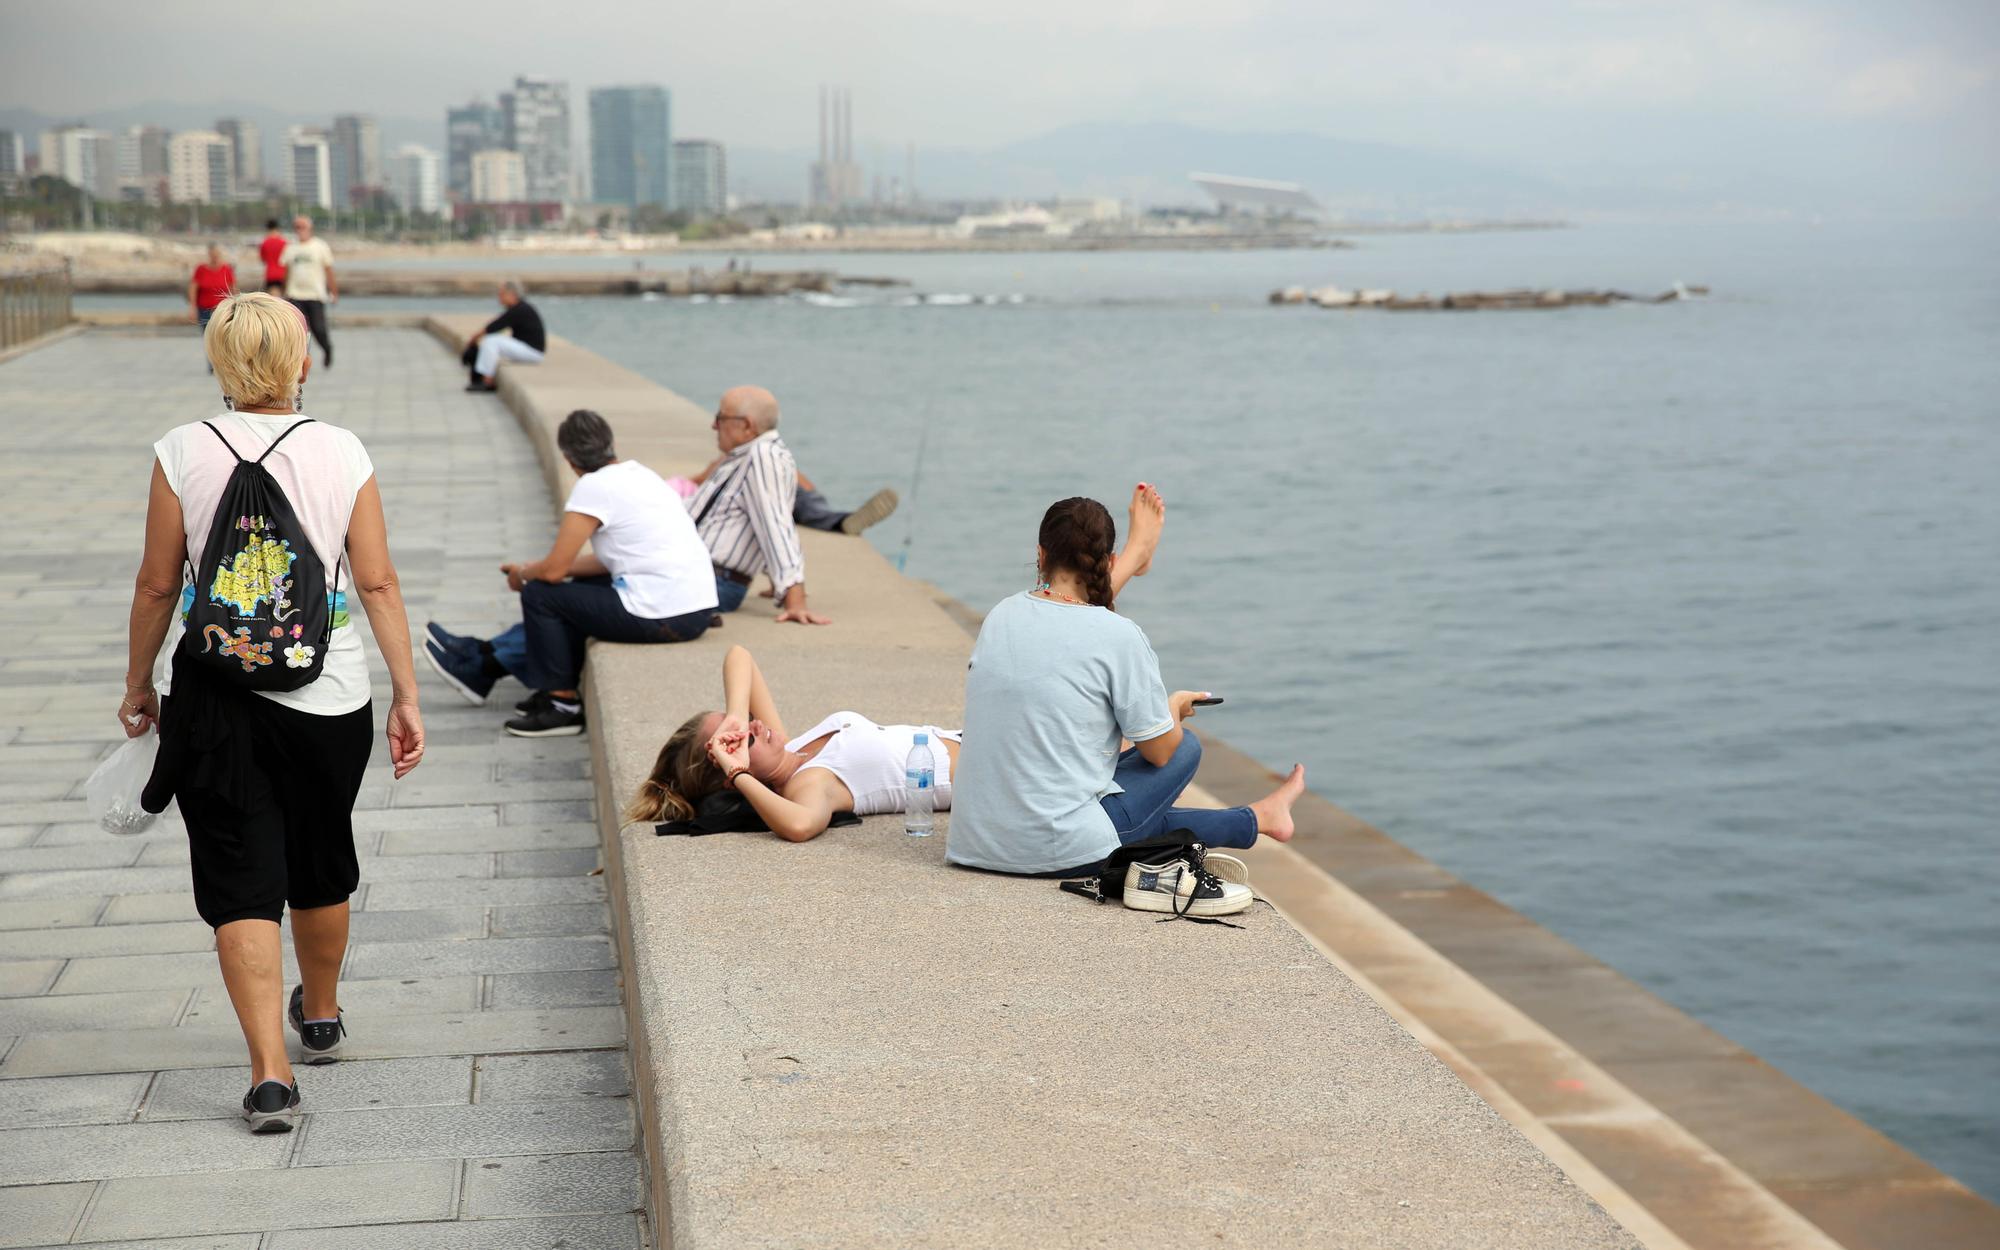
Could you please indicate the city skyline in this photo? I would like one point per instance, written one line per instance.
(1754, 100)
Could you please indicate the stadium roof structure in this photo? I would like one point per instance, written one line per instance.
(1256, 193)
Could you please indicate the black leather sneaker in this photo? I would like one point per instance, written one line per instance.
(319, 1040)
(271, 1107)
(546, 721)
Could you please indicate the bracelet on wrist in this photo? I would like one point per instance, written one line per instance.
(730, 780)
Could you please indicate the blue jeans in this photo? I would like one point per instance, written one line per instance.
(729, 595)
(557, 618)
(1145, 810)
(510, 648)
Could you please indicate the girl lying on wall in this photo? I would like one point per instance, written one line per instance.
(846, 763)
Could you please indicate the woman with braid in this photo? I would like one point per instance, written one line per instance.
(1057, 681)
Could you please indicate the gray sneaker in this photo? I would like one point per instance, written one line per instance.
(1183, 886)
(879, 505)
(319, 1040)
(271, 1107)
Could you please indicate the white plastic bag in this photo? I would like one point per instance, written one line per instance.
(112, 793)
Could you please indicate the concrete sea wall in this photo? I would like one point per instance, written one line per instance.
(847, 1042)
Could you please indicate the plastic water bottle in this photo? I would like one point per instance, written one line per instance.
(919, 789)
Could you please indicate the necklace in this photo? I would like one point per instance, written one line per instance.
(1049, 592)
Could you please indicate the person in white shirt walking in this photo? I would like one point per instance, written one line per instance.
(743, 512)
(310, 283)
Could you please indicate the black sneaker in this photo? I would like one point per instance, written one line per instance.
(271, 1107)
(536, 700)
(319, 1040)
(547, 721)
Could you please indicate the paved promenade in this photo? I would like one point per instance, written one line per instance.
(487, 1104)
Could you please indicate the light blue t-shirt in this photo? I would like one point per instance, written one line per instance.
(1051, 688)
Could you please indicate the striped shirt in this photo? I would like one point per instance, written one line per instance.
(744, 512)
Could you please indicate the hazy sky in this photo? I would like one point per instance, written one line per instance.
(1888, 89)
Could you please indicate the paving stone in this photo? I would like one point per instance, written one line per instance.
(392, 820)
(362, 1000)
(554, 989)
(39, 1156)
(133, 1009)
(459, 1132)
(502, 838)
(167, 828)
(49, 913)
(186, 969)
(106, 852)
(580, 862)
(69, 883)
(175, 852)
(203, 1093)
(388, 868)
(555, 1076)
(435, 923)
(492, 955)
(554, 920)
(19, 835)
(215, 1241)
(429, 794)
(215, 1042)
(98, 940)
(44, 1102)
(546, 770)
(570, 1184)
(148, 908)
(595, 1232)
(221, 1202)
(548, 813)
(404, 895)
(28, 976)
(36, 1215)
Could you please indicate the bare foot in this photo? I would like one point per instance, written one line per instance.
(1148, 516)
(1274, 810)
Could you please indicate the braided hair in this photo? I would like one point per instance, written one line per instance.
(1078, 535)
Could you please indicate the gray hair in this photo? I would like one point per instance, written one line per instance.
(585, 439)
(513, 286)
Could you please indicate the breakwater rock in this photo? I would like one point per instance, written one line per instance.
(1475, 301)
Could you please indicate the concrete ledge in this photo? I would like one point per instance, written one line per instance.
(848, 1043)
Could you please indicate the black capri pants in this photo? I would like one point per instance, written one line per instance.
(288, 837)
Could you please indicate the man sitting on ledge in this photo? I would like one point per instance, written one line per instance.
(485, 350)
(743, 512)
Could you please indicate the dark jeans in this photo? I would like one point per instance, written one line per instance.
(1145, 810)
(729, 595)
(810, 509)
(559, 617)
(201, 319)
(315, 312)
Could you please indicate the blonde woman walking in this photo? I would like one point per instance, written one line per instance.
(266, 779)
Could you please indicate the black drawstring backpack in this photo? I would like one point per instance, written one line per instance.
(260, 618)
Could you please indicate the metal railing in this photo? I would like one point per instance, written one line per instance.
(33, 302)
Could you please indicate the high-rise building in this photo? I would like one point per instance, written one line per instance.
(413, 173)
(82, 157)
(631, 146)
(356, 153)
(475, 128)
(142, 164)
(499, 177)
(835, 178)
(701, 178)
(13, 159)
(309, 166)
(201, 165)
(538, 125)
(246, 145)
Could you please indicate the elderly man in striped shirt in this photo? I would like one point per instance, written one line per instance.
(744, 510)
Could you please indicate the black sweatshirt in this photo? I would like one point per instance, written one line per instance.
(526, 324)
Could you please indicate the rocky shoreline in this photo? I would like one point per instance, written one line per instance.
(1477, 301)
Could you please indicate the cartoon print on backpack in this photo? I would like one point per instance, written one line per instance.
(267, 593)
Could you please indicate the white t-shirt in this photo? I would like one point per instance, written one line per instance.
(305, 269)
(646, 539)
(321, 468)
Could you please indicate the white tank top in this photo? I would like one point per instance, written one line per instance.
(870, 759)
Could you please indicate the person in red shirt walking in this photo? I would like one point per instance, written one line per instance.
(272, 249)
(212, 283)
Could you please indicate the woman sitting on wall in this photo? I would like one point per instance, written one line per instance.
(1057, 680)
(846, 763)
